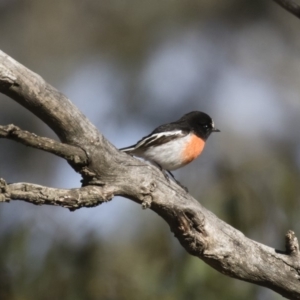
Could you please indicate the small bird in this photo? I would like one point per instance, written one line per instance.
(174, 145)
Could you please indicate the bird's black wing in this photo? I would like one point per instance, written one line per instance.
(160, 135)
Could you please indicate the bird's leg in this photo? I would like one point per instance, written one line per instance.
(166, 172)
(170, 173)
(184, 187)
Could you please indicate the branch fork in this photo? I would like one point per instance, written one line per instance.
(107, 172)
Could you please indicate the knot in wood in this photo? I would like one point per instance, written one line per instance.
(291, 243)
(146, 194)
(3, 186)
(191, 232)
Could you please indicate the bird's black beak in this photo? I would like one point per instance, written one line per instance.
(216, 130)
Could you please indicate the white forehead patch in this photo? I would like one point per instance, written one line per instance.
(212, 124)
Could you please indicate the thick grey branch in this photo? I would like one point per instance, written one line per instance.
(74, 155)
(290, 5)
(199, 231)
(54, 108)
(88, 196)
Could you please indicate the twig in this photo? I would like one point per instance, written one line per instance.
(73, 199)
(72, 154)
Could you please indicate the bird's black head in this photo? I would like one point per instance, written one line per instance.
(201, 123)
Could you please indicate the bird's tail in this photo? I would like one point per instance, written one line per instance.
(128, 149)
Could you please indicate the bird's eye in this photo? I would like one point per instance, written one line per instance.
(205, 126)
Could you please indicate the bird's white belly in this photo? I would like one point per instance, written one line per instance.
(168, 155)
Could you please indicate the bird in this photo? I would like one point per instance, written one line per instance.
(174, 145)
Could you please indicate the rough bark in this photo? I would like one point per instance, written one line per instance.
(107, 172)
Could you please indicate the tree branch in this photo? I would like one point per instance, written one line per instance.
(74, 155)
(290, 6)
(113, 172)
(39, 97)
(88, 196)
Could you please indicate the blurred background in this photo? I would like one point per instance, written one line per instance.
(131, 66)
